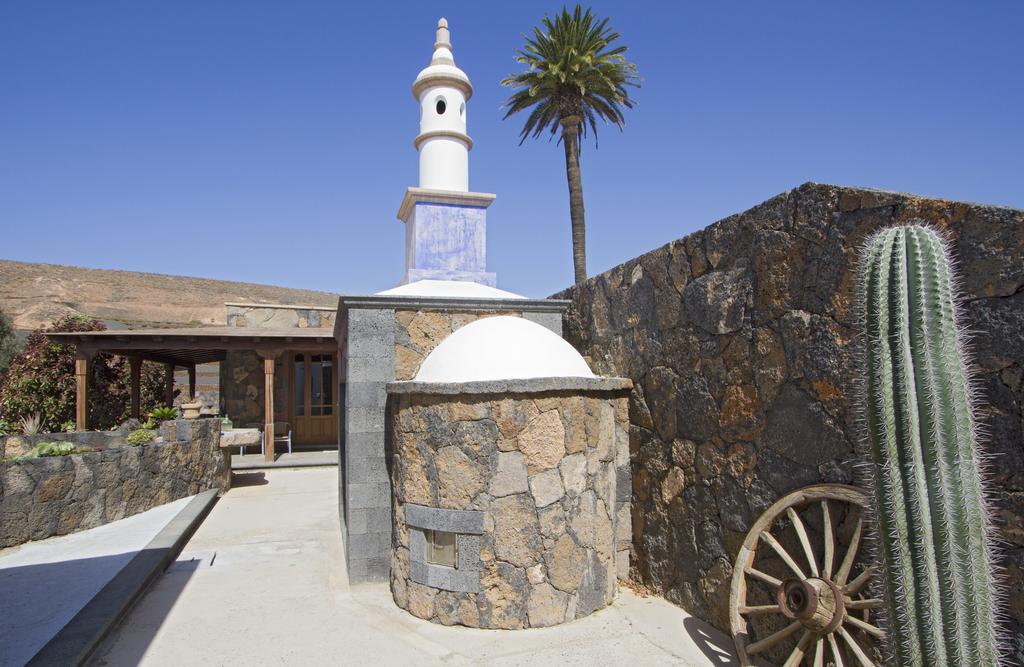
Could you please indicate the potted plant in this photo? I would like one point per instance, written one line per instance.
(190, 408)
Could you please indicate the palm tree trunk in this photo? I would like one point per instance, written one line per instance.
(571, 143)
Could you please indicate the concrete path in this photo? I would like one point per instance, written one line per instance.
(44, 584)
(262, 582)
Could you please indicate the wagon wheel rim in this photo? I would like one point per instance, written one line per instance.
(826, 609)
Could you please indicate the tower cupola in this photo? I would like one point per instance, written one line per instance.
(442, 89)
(445, 223)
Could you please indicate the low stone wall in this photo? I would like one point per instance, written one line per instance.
(740, 339)
(16, 445)
(534, 485)
(41, 498)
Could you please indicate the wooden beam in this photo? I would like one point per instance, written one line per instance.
(192, 381)
(268, 408)
(136, 367)
(263, 345)
(81, 392)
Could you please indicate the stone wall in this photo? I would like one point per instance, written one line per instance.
(242, 388)
(41, 498)
(16, 445)
(536, 485)
(740, 340)
(274, 316)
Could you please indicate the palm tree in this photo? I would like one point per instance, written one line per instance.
(574, 77)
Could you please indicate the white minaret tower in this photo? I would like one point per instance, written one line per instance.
(442, 89)
(445, 223)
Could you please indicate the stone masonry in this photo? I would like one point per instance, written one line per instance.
(57, 495)
(533, 478)
(380, 339)
(740, 339)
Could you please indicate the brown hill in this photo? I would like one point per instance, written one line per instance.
(35, 295)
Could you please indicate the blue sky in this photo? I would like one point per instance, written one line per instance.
(272, 141)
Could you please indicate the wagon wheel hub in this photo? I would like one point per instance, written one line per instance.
(816, 603)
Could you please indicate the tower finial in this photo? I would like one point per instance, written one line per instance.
(444, 39)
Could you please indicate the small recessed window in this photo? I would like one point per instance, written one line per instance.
(441, 548)
(462, 110)
(440, 106)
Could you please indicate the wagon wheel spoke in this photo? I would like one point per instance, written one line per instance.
(865, 626)
(800, 650)
(783, 554)
(761, 609)
(868, 603)
(851, 553)
(819, 653)
(861, 581)
(835, 649)
(801, 532)
(763, 576)
(830, 540)
(855, 647)
(774, 638)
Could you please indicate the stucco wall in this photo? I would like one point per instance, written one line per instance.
(57, 495)
(740, 339)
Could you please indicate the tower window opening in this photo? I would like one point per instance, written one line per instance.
(441, 106)
(462, 110)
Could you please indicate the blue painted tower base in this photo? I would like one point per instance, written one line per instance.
(446, 236)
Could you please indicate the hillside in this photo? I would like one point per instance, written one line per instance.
(34, 295)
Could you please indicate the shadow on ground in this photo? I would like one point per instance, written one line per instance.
(54, 601)
(710, 642)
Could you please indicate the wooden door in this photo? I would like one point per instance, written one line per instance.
(313, 418)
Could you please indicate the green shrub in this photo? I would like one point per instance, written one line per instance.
(5, 427)
(44, 449)
(142, 436)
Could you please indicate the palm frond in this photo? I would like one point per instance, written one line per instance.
(572, 70)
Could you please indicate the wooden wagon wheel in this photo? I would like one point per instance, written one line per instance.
(824, 611)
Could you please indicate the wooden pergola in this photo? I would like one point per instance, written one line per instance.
(187, 348)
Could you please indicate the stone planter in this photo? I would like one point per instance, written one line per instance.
(511, 499)
(191, 410)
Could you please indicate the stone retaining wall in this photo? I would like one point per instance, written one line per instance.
(41, 498)
(536, 487)
(16, 445)
(740, 340)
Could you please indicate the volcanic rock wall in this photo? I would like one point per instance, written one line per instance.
(740, 340)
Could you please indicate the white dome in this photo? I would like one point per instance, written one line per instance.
(502, 348)
(458, 289)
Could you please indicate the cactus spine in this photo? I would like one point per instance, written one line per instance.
(923, 464)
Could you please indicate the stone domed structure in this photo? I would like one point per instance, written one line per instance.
(502, 348)
(511, 480)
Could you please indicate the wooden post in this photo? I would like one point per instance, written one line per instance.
(169, 384)
(81, 392)
(192, 381)
(268, 419)
(136, 367)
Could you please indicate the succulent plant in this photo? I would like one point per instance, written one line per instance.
(31, 424)
(923, 463)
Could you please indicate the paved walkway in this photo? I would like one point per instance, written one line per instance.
(262, 582)
(44, 584)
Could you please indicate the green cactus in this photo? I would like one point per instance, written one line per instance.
(931, 518)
